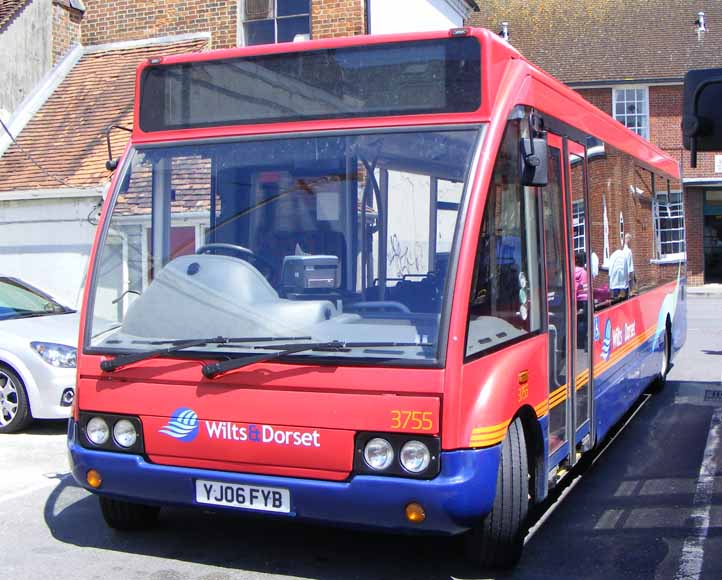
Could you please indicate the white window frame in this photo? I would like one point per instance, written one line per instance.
(579, 226)
(671, 211)
(240, 21)
(192, 219)
(623, 117)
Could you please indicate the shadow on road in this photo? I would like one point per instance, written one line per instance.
(45, 427)
(625, 520)
(241, 542)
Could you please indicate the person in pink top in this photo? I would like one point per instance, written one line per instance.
(581, 284)
(581, 278)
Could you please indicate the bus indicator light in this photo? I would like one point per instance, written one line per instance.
(94, 479)
(458, 32)
(415, 513)
(523, 385)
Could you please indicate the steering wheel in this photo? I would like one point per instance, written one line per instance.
(241, 252)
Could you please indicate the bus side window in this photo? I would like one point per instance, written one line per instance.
(504, 302)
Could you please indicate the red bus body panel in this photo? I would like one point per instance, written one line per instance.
(467, 404)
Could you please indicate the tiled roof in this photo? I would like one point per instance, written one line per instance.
(67, 135)
(8, 9)
(190, 184)
(609, 40)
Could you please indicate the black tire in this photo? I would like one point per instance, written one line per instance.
(127, 516)
(661, 379)
(14, 406)
(497, 541)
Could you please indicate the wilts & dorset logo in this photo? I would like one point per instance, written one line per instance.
(183, 425)
(607, 344)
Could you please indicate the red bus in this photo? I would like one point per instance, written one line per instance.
(372, 281)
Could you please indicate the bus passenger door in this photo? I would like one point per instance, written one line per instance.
(567, 283)
(558, 303)
(581, 276)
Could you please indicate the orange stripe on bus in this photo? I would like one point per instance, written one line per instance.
(494, 434)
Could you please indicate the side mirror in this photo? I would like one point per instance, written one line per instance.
(111, 164)
(534, 162)
(702, 120)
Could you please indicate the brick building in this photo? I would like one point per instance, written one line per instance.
(629, 59)
(52, 172)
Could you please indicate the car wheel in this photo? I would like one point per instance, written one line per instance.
(127, 516)
(497, 540)
(14, 408)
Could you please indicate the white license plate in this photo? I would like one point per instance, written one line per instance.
(252, 497)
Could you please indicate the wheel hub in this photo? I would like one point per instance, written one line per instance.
(8, 399)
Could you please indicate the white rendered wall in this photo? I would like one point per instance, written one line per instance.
(393, 16)
(47, 242)
(25, 46)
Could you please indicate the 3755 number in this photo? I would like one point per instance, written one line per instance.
(413, 420)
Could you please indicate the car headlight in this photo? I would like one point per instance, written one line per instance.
(124, 433)
(97, 430)
(57, 355)
(415, 456)
(378, 454)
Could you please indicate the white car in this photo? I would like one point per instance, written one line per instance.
(38, 353)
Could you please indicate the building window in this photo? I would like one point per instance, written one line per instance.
(271, 21)
(580, 226)
(669, 225)
(631, 108)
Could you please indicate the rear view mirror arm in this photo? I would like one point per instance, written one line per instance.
(111, 163)
(691, 126)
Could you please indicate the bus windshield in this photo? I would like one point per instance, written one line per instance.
(324, 238)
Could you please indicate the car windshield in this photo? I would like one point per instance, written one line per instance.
(19, 300)
(343, 238)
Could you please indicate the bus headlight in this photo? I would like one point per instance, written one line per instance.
(378, 454)
(97, 431)
(415, 456)
(124, 433)
(103, 431)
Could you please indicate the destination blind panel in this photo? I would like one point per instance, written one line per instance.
(402, 78)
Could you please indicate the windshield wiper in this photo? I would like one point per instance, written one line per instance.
(175, 345)
(211, 371)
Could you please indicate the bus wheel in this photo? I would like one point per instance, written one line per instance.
(14, 408)
(497, 541)
(126, 516)
(661, 379)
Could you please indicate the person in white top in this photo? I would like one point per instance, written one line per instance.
(621, 270)
(628, 254)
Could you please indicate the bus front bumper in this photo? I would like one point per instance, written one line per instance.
(456, 498)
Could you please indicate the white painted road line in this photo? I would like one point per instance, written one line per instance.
(692, 560)
(33, 488)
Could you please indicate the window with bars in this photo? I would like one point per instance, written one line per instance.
(669, 225)
(580, 226)
(631, 108)
(271, 21)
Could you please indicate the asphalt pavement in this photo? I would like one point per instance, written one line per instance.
(648, 507)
